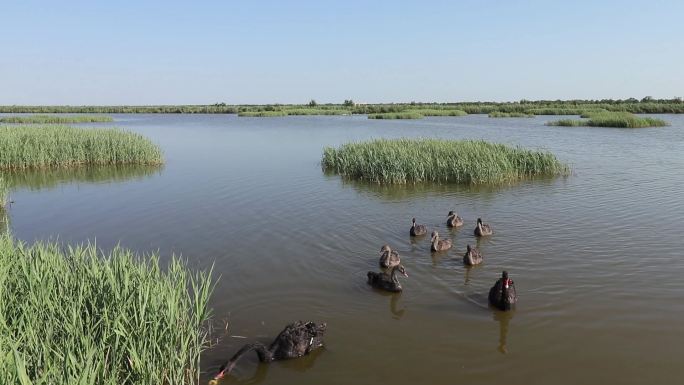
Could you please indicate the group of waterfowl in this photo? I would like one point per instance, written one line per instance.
(502, 295)
(300, 338)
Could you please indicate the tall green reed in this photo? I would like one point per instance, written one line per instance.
(24, 147)
(402, 161)
(79, 316)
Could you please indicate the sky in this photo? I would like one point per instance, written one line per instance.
(260, 52)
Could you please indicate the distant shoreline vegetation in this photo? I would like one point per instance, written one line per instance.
(402, 161)
(38, 146)
(610, 119)
(536, 107)
(499, 114)
(397, 115)
(56, 119)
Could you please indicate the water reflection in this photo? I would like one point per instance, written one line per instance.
(396, 314)
(300, 364)
(409, 191)
(51, 177)
(503, 317)
(466, 275)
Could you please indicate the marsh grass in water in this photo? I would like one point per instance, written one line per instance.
(56, 119)
(4, 192)
(402, 161)
(78, 316)
(610, 119)
(498, 114)
(397, 115)
(23, 147)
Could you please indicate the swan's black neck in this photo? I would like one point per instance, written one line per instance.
(264, 354)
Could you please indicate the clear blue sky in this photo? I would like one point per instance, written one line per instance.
(169, 52)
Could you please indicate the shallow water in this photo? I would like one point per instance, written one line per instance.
(596, 256)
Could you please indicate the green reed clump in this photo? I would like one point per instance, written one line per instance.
(439, 112)
(498, 114)
(56, 119)
(610, 119)
(80, 316)
(402, 161)
(397, 115)
(24, 147)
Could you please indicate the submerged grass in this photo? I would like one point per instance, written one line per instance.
(56, 119)
(498, 114)
(611, 119)
(402, 161)
(397, 115)
(24, 147)
(78, 316)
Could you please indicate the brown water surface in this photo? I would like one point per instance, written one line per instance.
(596, 257)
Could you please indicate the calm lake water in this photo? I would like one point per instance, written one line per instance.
(596, 256)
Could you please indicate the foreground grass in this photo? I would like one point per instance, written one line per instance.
(77, 316)
(397, 115)
(24, 147)
(436, 160)
(498, 114)
(56, 119)
(610, 119)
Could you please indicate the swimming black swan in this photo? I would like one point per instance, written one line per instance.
(472, 257)
(453, 220)
(417, 230)
(296, 340)
(439, 245)
(387, 282)
(482, 229)
(388, 257)
(502, 295)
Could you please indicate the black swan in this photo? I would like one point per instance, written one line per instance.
(482, 229)
(472, 257)
(417, 230)
(502, 295)
(387, 282)
(388, 257)
(439, 245)
(296, 340)
(453, 220)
